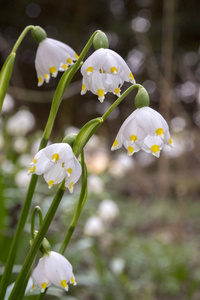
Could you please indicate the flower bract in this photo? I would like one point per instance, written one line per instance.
(105, 71)
(52, 56)
(57, 162)
(53, 268)
(144, 129)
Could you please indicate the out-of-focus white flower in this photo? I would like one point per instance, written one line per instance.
(24, 160)
(57, 162)
(121, 165)
(95, 184)
(105, 71)
(20, 144)
(52, 56)
(8, 103)
(108, 210)
(117, 265)
(94, 226)
(21, 123)
(53, 268)
(21, 179)
(144, 129)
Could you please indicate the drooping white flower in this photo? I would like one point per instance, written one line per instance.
(105, 71)
(57, 162)
(144, 129)
(52, 56)
(53, 268)
(94, 226)
(20, 123)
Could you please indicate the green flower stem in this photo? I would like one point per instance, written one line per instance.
(12, 253)
(81, 202)
(117, 102)
(22, 277)
(21, 37)
(38, 210)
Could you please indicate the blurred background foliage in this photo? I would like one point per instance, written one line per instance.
(149, 249)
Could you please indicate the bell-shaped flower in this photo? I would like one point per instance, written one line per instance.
(57, 162)
(52, 56)
(53, 268)
(105, 71)
(144, 129)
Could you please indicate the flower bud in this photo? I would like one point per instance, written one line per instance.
(69, 139)
(142, 98)
(100, 40)
(38, 34)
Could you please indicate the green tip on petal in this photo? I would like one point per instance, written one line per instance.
(39, 34)
(142, 98)
(100, 40)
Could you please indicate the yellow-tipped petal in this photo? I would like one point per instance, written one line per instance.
(76, 55)
(46, 76)
(130, 150)
(155, 149)
(73, 280)
(100, 93)
(71, 187)
(35, 160)
(131, 77)
(69, 170)
(44, 285)
(69, 60)
(64, 284)
(89, 70)
(83, 87)
(39, 80)
(55, 157)
(52, 70)
(117, 91)
(32, 170)
(50, 183)
(115, 144)
(114, 70)
(160, 131)
(64, 66)
(133, 138)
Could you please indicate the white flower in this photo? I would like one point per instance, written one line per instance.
(105, 71)
(108, 210)
(94, 226)
(57, 162)
(53, 268)
(8, 103)
(21, 123)
(144, 129)
(52, 56)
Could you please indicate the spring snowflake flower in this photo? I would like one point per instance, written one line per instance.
(53, 268)
(105, 71)
(57, 162)
(144, 129)
(52, 56)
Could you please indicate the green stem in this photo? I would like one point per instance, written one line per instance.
(38, 210)
(21, 37)
(117, 102)
(37, 242)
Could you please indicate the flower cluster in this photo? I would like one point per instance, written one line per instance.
(57, 162)
(105, 71)
(144, 129)
(52, 268)
(52, 56)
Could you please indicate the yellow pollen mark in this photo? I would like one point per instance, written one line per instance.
(133, 138)
(69, 60)
(69, 170)
(32, 169)
(64, 66)
(71, 185)
(159, 131)
(102, 71)
(55, 156)
(46, 76)
(155, 148)
(50, 183)
(44, 285)
(76, 55)
(90, 69)
(83, 87)
(100, 92)
(170, 141)
(39, 79)
(115, 143)
(33, 287)
(117, 91)
(63, 164)
(131, 76)
(114, 70)
(63, 283)
(52, 70)
(35, 160)
(73, 281)
(130, 150)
